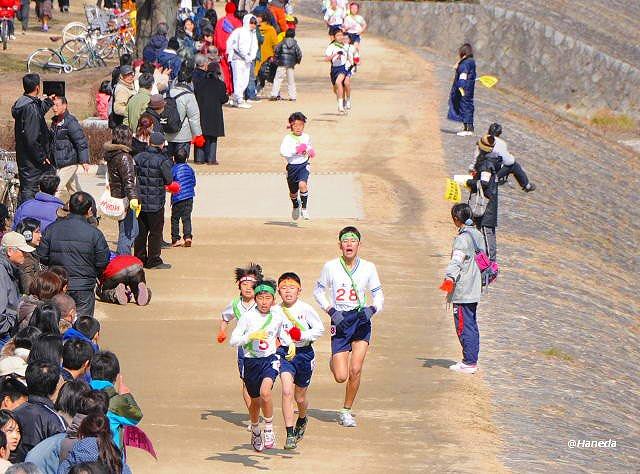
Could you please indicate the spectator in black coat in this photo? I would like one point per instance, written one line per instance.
(69, 147)
(32, 137)
(80, 248)
(210, 93)
(153, 173)
(37, 417)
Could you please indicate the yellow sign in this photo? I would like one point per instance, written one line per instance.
(452, 191)
(488, 81)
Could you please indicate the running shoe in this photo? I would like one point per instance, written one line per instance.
(347, 420)
(291, 443)
(464, 368)
(269, 439)
(144, 295)
(121, 294)
(256, 441)
(178, 243)
(347, 104)
(305, 214)
(189, 241)
(295, 213)
(243, 105)
(273, 99)
(300, 429)
(464, 133)
(530, 187)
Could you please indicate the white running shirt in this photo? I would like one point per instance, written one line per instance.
(227, 313)
(306, 316)
(289, 145)
(343, 296)
(253, 321)
(334, 17)
(333, 48)
(353, 24)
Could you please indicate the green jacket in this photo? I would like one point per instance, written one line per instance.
(136, 106)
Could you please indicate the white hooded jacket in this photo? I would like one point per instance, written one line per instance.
(242, 44)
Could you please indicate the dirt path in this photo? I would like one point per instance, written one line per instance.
(413, 414)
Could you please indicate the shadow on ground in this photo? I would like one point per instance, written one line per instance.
(238, 419)
(431, 363)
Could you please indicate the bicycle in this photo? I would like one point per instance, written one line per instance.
(9, 182)
(44, 60)
(74, 55)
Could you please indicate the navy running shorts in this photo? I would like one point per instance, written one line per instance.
(240, 360)
(295, 174)
(354, 37)
(256, 369)
(302, 365)
(336, 71)
(354, 327)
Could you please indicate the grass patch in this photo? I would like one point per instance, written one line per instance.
(558, 354)
(12, 62)
(609, 120)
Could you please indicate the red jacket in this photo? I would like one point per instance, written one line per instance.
(8, 8)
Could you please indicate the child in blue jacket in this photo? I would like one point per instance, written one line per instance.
(182, 201)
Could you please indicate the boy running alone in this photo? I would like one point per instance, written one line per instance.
(256, 332)
(306, 328)
(296, 148)
(349, 277)
(246, 278)
(337, 56)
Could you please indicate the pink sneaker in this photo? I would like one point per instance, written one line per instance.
(269, 439)
(464, 368)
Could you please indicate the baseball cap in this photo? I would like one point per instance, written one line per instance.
(16, 240)
(12, 365)
(126, 69)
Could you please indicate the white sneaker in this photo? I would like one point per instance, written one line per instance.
(12, 37)
(464, 368)
(464, 133)
(269, 439)
(305, 213)
(340, 107)
(257, 442)
(347, 420)
(295, 213)
(243, 105)
(347, 104)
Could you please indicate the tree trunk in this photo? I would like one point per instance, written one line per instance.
(149, 14)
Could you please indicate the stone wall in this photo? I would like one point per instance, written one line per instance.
(522, 51)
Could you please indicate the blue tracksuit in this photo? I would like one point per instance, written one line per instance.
(464, 317)
(461, 107)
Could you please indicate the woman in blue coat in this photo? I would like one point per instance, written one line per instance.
(461, 95)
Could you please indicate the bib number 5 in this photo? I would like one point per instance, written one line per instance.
(263, 345)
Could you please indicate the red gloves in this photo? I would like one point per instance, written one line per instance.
(447, 285)
(173, 188)
(295, 333)
(221, 336)
(301, 148)
(356, 60)
(198, 141)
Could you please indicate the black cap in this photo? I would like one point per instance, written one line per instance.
(156, 139)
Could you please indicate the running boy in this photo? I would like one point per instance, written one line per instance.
(349, 277)
(246, 278)
(306, 327)
(463, 284)
(296, 148)
(337, 55)
(256, 332)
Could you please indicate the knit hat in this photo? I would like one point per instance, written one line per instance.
(156, 102)
(230, 8)
(156, 139)
(486, 143)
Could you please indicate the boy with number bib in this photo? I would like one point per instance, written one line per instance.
(246, 278)
(296, 148)
(306, 327)
(349, 277)
(337, 56)
(256, 332)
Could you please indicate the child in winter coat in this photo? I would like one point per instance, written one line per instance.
(288, 55)
(102, 100)
(182, 201)
(463, 284)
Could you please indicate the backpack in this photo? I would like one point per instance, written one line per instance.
(488, 270)
(172, 122)
(478, 202)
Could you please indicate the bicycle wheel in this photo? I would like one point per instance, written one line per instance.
(76, 53)
(74, 30)
(105, 46)
(45, 60)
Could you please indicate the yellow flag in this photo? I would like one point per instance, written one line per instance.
(452, 191)
(488, 81)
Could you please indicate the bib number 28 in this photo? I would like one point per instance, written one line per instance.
(341, 295)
